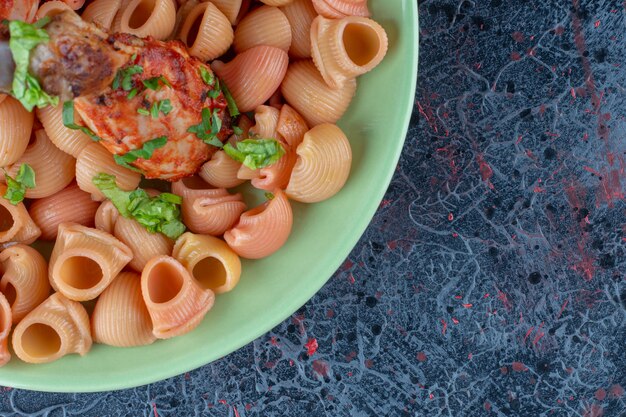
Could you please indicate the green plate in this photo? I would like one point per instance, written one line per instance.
(273, 288)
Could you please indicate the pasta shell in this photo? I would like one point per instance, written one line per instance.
(253, 75)
(306, 91)
(68, 140)
(291, 126)
(24, 279)
(54, 169)
(16, 226)
(75, 4)
(209, 260)
(266, 119)
(16, 124)
(263, 26)
(143, 244)
(56, 328)
(323, 166)
(276, 175)
(346, 48)
(300, 14)
(95, 159)
(84, 261)
(144, 18)
(5, 328)
(337, 9)
(69, 205)
(262, 230)
(175, 301)
(207, 211)
(276, 2)
(24, 10)
(102, 12)
(230, 8)
(120, 317)
(51, 9)
(221, 171)
(207, 32)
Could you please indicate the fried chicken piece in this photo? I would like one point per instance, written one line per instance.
(129, 91)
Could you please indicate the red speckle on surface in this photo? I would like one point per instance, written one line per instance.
(368, 363)
(562, 308)
(330, 313)
(223, 402)
(515, 56)
(470, 356)
(445, 327)
(274, 341)
(385, 203)
(455, 320)
(593, 410)
(487, 406)
(518, 37)
(248, 407)
(154, 408)
(468, 305)
(450, 216)
(431, 396)
(518, 367)
(320, 367)
(559, 30)
(235, 411)
(347, 265)
(596, 24)
(485, 170)
(616, 391)
(600, 394)
(392, 244)
(421, 356)
(504, 370)
(505, 300)
(291, 362)
(311, 347)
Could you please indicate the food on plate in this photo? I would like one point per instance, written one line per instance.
(125, 127)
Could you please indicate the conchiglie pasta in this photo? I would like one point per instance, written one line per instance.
(84, 261)
(24, 279)
(51, 9)
(221, 171)
(75, 4)
(263, 26)
(102, 12)
(253, 75)
(336, 9)
(24, 10)
(95, 159)
(346, 48)
(143, 244)
(306, 91)
(106, 217)
(154, 18)
(262, 230)
(230, 8)
(300, 14)
(266, 119)
(16, 124)
(68, 140)
(276, 2)
(54, 169)
(5, 329)
(212, 263)
(175, 301)
(56, 328)
(206, 32)
(69, 205)
(205, 210)
(16, 226)
(120, 317)
(291, 126)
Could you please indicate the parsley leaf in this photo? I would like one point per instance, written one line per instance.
(154, 83)
(68, 121)
(26, 88)
(207, 76)
(124, 77)
(16, 187)
(256, 153)
(145, 152)
(208, 129)
(269, 195)
(232, 106)
(237, 130)
(157, 214)
(143, 111)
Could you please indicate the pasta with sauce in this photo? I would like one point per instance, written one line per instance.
(197, 96)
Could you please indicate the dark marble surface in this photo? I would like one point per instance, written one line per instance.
(491, 281)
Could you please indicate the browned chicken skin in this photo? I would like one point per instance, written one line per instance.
(81, 62)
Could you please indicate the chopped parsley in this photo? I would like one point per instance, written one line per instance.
(237, 130)
(124, 77)
(208, 129)
(232, 106)
(68, 121)
(255, 153)
(145, 152)
(154, 83)
(26, 88)
(164, 107)
(16, 187)
(159, 214)
(269, 196)
(207, 76)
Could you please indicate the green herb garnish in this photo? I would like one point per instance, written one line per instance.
(237, 130)
(124, 77)
(16, 187)
(208, 129)
(164, 107)
(255, 153)
(232, 106)
(207, 76)
(157, 214)
(145, 152)
(26, 88)
(154, 83)
(269, 196)
(68, 121)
